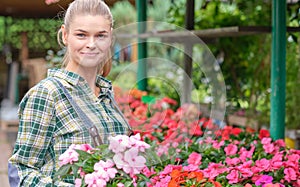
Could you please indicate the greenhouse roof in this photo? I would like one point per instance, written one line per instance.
(36, 8)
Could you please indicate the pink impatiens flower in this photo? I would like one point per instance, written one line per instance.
(232, 161)
(233, 176)
(135, 141)
(231, 149)
(194, 159)
(69, 156)
(214, 170)
(105, 170)
(276, 161)
(244, 154)
(85, 147)
(261, 165)
(290, 174)
(78, 182)
(264, 179)
(119, 143)
(135, 162)
(92, 180)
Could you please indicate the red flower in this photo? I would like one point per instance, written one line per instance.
(236, 131)
(263, 133)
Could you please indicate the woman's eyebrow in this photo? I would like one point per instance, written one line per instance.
(80, 30)
(104, 31)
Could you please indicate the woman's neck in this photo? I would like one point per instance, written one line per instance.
(89, 75)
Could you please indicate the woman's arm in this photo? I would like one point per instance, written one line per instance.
(33, 149)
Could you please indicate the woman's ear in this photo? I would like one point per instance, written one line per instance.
(64, 34)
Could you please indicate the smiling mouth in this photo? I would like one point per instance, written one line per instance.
(89, 54)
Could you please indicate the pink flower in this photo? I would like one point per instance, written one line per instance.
(194, 158)
(119, 143)
(135, 141)
(233, 176)
(120, 185)
(190, 167)
(214, 170)
(163, 149)
(86, 147)
(265, 141)
(78, 182)
(232, 161)
(269, 148)
(119, 161)
(276, 161)
(148, 172)
(244, 154)
(280, 143)
(135, 162)
(92, 180)
(130, 162)
(273, 185)
(218, 145)
(292, 161)
(264, 179)
(69, 156)
(290, 174)
(231, 149)
(261, 165)
(246, 169)
(105, 169)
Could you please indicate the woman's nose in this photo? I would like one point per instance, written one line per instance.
(91, 43)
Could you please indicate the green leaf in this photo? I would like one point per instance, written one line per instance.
(63, 171)
(75, 170)
(83, 154)
(128, 183)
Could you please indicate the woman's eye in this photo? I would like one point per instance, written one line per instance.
(102, 36)
(80, 35)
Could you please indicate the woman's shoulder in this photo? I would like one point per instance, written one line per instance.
(45, 88)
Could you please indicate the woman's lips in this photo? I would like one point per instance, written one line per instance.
(89, 54)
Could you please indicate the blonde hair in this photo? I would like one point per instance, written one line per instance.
(86, 7)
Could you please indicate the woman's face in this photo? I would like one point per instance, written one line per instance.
(88, 41)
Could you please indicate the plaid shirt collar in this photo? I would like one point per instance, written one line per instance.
(75, 79)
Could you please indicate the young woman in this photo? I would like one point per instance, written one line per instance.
(49, 123)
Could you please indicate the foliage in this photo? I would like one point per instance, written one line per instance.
(124, 13)
(292, 83)
(41, 33)
(245, 61)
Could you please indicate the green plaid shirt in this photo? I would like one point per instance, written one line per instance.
(49, 124)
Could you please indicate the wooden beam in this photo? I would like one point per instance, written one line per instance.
(180, 36)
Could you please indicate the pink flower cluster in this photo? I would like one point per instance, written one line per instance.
(163, 178)
(126, 158)
(104, 171)
(239, 166)
(70, 155)
(126, 151)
